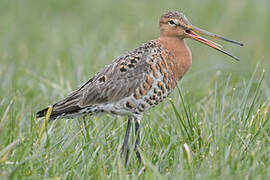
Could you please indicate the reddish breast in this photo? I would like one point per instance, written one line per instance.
(178, 57)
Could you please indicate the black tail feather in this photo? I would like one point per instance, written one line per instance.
(41, 113)
(59, 112)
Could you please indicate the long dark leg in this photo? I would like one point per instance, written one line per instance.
(125, 148)
(137, 134)
(86, 130)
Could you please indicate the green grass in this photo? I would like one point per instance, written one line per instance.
(214, 126)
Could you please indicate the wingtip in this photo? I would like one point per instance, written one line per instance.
(41, 113)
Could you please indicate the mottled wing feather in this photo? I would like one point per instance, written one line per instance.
(117, 80)
(117, 85)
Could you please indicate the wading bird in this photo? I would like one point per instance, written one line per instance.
(140, 79)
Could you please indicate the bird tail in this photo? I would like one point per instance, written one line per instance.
(67, 107)
(41, 113)
(69, 112)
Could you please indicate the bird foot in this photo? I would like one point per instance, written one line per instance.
(125, 150)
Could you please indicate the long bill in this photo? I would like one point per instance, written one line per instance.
(191, 34)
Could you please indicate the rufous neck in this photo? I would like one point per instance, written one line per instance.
(175, 45)
(181, 55)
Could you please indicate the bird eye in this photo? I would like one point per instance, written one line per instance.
(171, 22)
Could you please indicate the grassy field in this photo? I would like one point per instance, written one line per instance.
(216, 126)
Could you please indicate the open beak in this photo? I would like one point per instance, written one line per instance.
(191, 33)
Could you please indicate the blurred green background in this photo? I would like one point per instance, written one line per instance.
(48, 48)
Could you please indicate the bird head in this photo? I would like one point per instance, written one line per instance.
(175, 24)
